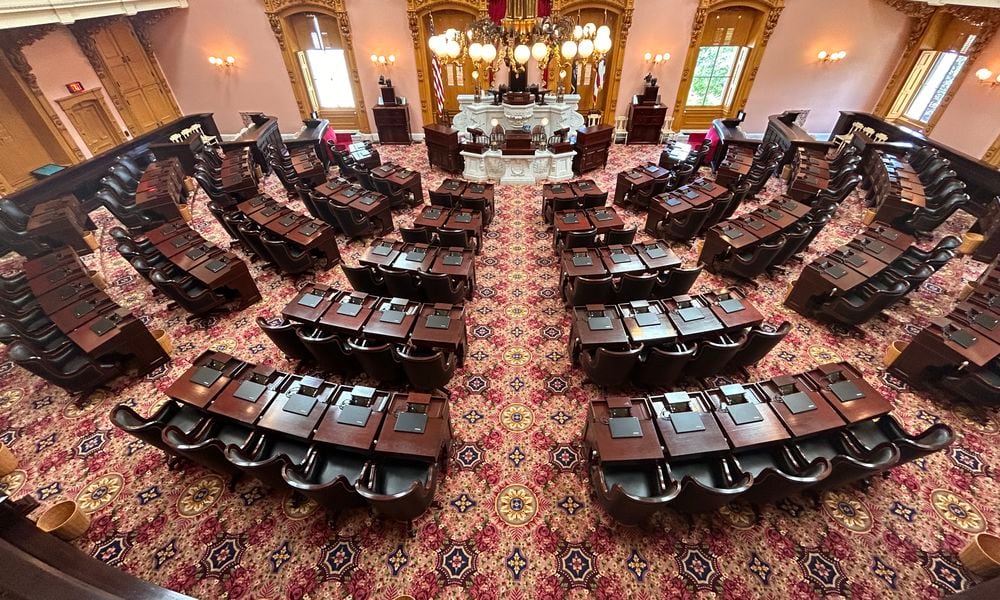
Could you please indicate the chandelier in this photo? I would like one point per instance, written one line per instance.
(520, 36)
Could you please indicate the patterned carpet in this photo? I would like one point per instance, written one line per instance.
(515, 518)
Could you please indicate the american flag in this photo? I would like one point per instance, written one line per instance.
(436, 77)
(599, 78)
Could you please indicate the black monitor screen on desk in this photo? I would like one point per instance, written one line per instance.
(249, 391)
(846, 391)
(625, 427)
(599, 323)
(411, 422)
(299, 404)
(355, 415)
(687, 422)
(206, 376)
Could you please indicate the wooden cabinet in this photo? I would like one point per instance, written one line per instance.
(443, 148)
(645, 122)
(393, 123)
(592, 144)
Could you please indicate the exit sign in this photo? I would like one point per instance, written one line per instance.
(74, 87)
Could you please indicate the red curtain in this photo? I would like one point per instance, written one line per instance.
(497, 9)
(544, 8)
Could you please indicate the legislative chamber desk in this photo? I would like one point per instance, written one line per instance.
(789, 136)
(641, 257)
(981, 178)
(602, 219)
(847, 267)
(459, 191)
(263, 139)
(680, 319)
(306, 234)
(377, 207)
(310, 135)
(434, 326)
(400, 177)
(213, 267)
(82, 180)
(457, 263)
(963, 342)
(753, 441)
(636, 179)
(731, 136)
(314, 410)
(744, 233)
(86, 315)
(61, 222)
(677, 203)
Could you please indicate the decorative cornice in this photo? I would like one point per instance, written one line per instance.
(32, 13)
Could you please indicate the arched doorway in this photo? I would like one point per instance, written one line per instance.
(727, 44)
(316, 44)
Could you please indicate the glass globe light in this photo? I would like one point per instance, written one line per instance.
(475, 75)
(586, 48)
(983, 74)
(381, 60)
(489, 52)
(569, 49)
(476, 51)
(577, 32)
(494, 122)
(647, 57)
(545, 121)
(539, 50)
(821, 55)
(562, 74)
(589, 29)
(434, 43)
(453, 49)
(450, 34)
(658, 59)
(604, 31)
(522, 53)
(374, 58)
(602, 44)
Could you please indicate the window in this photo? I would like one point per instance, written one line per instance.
(945, 66)
(328, 69)
(716, 74)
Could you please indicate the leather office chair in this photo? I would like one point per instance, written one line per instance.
(183, 417)
(635, 286)
(416, 235)
(135, 165)
(250, 234)
(676, 281)
(364, 177)
(481, 206)
(71, 369)
(14, 284)
(328, 477)
(610, 368)
(219, 214)
(662, 367)
(739, 191)
(580, 239)
(364, 278)
(706, 486)
(848, 461)
(719, 206)
(796, 238)
(751, 264)
(125, 196)
(328, 351)
(839, 189)
(401, 284)
(30, 325)
(816, 221)
(398, 197)
(935, 194)
(631, 494)
(266, 456)
(686, 227)
(439, 287)
(352, 223)
(914, 275)
(683, 174)
(288, 259)
(207, 445)
(558, 204)
(284, 335)
(594, 200)
(981, 386)
(18, 306)
(760, 342)
(588, 290)
(457, 238)
(713, 356)
(49, 345)
(130, 217)
(924, 219)
(776, 476)
(859, 306)
(427, 371)
(12, 216)
(623, 236)
(378, 360)
(306, 196)
(921, 157)
(441, 198)
(887, 430)
(399, 490)
(191, 296)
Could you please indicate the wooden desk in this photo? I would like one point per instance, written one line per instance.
(799, 405)
(428, 445)
(248, 394)
(623, 450)
(694, 433)
(589, 337)
(746, 417)
(848, 393)
(592, 146)
(298, 407)
(443, 149)
(205, 378)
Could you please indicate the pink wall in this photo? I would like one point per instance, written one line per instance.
(184, 40)
(381, 27)
(972, 120)
(657, 26)
(791, 77)
(57, 60)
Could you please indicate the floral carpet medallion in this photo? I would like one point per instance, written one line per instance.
(513, 518)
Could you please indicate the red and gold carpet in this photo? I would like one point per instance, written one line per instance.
(515, 518)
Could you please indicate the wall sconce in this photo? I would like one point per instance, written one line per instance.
(383, 63)
(984, 75)
(229, 61)
(825, 56)
(655, 59)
